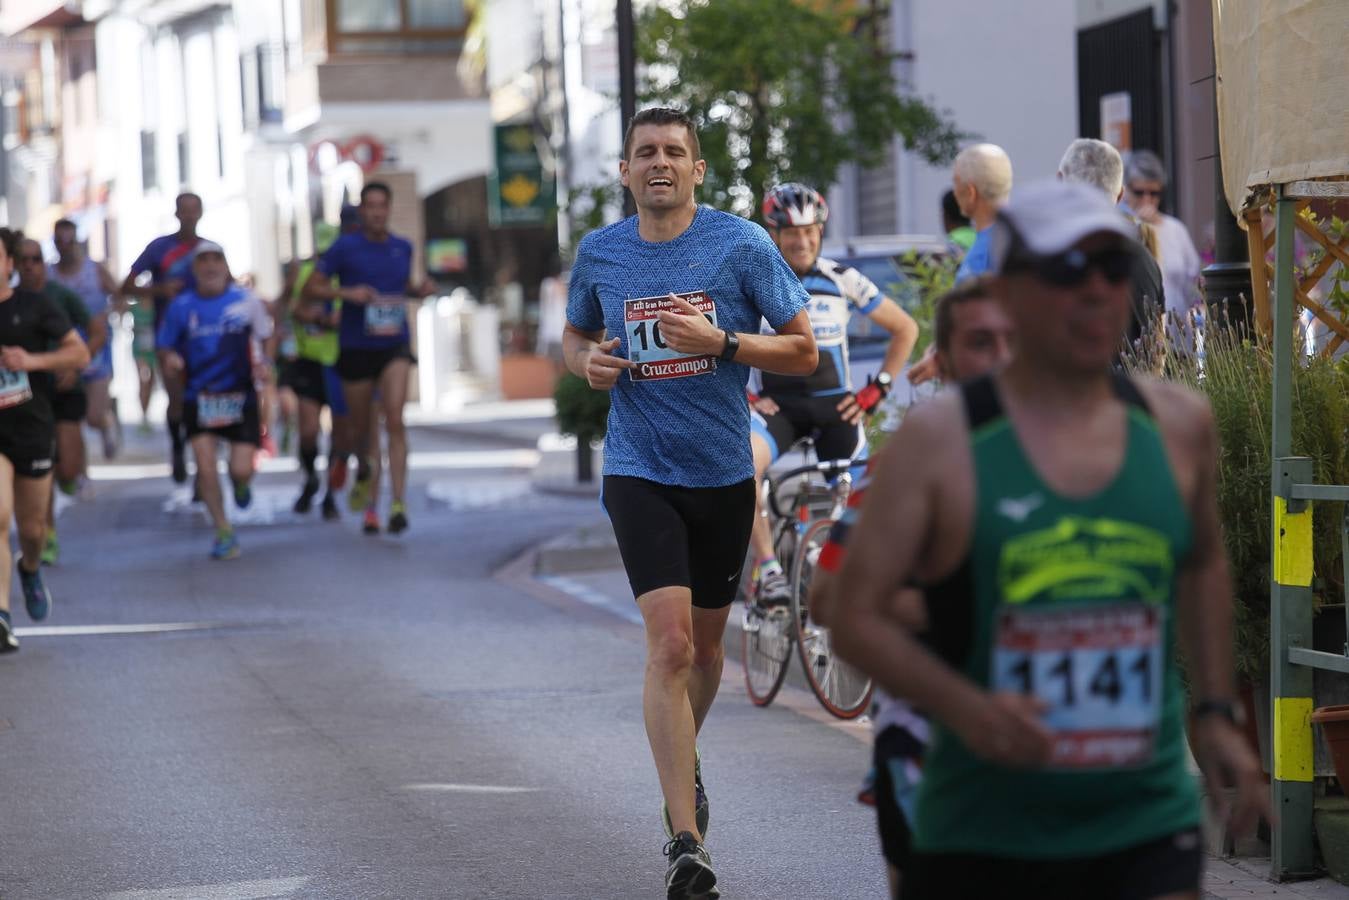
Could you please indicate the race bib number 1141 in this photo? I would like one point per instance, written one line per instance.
(647, 348)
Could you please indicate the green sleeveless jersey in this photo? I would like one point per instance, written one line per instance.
(311, 342)
(1072, 600)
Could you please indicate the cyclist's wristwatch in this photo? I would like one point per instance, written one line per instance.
(732, 345)
(884, 380)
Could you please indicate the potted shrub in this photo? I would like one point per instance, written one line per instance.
(584, 412)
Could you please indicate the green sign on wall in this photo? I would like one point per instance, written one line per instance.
(520, 192)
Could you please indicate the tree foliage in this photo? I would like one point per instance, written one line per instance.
(782, 90)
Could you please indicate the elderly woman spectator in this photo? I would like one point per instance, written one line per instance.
(1144, 184)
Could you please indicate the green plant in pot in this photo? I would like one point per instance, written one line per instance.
(584, 412)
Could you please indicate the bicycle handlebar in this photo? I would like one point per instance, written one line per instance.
(828, 468)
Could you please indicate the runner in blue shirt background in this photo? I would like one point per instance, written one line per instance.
(168, 260)
(373, 268)
(211, 340)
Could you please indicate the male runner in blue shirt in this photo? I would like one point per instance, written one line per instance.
(211, 340)
(663, 312)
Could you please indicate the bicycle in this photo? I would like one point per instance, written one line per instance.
(768, 635)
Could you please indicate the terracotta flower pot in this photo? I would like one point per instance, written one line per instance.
(1334, 722)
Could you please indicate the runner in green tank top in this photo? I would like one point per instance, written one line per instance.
(1064, 523)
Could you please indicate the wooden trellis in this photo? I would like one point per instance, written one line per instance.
(1260, 238)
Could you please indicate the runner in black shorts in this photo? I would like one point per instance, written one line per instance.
(663, 313)
(373, 268)
(30, 325)
(212, 339)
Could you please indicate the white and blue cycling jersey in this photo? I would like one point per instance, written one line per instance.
(836, 291)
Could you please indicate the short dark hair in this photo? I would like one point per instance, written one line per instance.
(178, 201)
(377, 186)
(64, 223)
(943, 316)
(662, 115)
(950, 208)
(10, 238)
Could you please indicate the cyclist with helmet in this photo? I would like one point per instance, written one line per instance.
(788, 408)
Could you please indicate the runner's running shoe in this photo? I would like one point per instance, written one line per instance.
(226, 546)
(36, 598)
(359, 495)
(398, 519)
(51, 551)
(243, 494)
(371, 523)
(306, 499)
(330, 512)
(701, 810)
(690, 875)
(8, 642)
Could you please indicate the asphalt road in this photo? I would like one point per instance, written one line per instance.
(352, 717)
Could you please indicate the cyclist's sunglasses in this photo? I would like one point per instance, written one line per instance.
(1073, 267)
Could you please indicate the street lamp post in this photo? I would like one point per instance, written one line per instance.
(627, 80)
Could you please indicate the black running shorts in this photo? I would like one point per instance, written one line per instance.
(31, 457)
(672, 536)
(69, 406)
(305, 378)
(1168, 865)
(893, 748)
(249, 431)
(368, 365)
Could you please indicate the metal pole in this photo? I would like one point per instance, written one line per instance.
(1290, 607)
(627, 80)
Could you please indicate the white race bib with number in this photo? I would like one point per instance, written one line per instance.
(14, 388)
(1098, 670)
(220, 410)
(386, 316)
(646, 346)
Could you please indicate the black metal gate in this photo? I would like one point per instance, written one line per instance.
(1122, 56)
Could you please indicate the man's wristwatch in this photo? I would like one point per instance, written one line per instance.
(731, 347)
(1224, 709)
(884, 380)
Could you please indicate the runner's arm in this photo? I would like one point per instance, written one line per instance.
(896, 522)
(70, 353)
(98, 334)
(791, 351)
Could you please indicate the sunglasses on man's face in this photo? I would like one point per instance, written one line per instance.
(1072, 268)
(1145, 192)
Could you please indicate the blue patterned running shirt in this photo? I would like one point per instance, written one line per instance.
(681, 420)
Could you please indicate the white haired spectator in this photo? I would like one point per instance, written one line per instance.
(982, 181)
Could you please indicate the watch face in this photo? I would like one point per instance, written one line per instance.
(884, 378)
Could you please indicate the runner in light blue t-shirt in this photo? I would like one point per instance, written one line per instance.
(664, 313)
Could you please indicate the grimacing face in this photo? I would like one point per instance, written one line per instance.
(661, 171)
(799, 245)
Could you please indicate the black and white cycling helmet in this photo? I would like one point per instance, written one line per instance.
(794, 204)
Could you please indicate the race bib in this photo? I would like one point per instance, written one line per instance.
(1099, 672)
(14, 388)
(647, 348)
(386, 316)
(220, 410)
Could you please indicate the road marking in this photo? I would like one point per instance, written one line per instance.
(470, 788)
(268, 889)
(623, 609)
(81, 630)
(430, 459)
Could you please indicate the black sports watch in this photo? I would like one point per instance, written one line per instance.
(731, 347)
(884, 380)
(1224, 709)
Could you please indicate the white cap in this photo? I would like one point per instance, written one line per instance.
(1049, 217)
(207, 247)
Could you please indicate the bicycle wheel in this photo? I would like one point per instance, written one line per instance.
(765, 652)
(840, 688)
